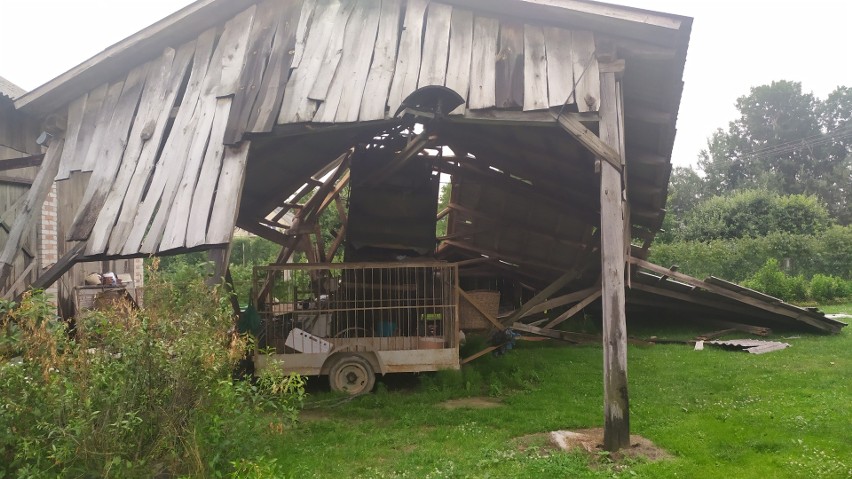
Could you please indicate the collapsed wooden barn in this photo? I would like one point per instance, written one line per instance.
(554, 119)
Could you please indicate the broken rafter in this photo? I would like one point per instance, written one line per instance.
(574, 310)
(542, 296)
(23, 162)
(414, 147)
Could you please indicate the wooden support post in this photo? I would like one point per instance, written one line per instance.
(616, 404)
(31, 207)
(220, 258)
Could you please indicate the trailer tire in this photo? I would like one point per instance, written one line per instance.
(352, 374)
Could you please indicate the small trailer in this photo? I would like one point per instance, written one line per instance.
(352, 320)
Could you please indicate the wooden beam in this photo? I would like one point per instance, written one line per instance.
(30, 208)
(574, 310)
(589, 140)
(542, 296)
(266, 233)
(415, 146)
(48, 277)
(16, 180)
(616, 403)
(499, 225)
(23, 162)
(561, 301)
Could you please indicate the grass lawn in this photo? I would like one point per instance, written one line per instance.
(719, 413)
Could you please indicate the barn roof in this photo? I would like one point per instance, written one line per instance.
(9, 89)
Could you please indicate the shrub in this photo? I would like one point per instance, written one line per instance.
(771, 280)
(829, 288)
(133, 393)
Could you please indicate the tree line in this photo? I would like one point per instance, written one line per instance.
(773, 190)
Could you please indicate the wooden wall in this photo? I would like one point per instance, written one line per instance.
(166, 143)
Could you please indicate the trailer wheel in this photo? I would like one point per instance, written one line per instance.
(352, 375)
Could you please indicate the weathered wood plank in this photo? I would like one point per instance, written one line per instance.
(343, 99)
(76, 111)
(278, 71)
(588, 139)
(296, 107)
(560, 301)
(109, 154)
(258, 55)
(221, 77)
(560, 66)
(130, 197)
(149, 107)
(175, 151)
(30, 208)
(191, 209)
(88, 126)
(407, 68)
(436, 40)
(333, 52)
(374, 99)
(483, 71)
(202, 198)
(22, 162)
(223, 217)
(586, 73)
(616, 403)
(535, 69)
(510, 65)
(100, 126)
(306, 16)
(461, 49)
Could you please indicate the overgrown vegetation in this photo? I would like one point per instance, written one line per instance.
(135, 393)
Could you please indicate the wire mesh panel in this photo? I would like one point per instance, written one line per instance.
(321, 308)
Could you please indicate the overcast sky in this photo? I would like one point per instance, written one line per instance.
(735, 44)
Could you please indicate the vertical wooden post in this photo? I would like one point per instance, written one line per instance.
(616, 405)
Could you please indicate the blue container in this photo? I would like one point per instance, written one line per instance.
(385, 329)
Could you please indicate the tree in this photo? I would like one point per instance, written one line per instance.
(788, 142)
(754, 213)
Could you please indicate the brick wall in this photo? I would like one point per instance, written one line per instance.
(48, 249)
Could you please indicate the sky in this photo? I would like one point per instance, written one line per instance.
(735, 45)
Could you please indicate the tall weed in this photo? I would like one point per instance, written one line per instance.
(134, 393)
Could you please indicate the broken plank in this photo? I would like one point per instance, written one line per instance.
(109, 154)
(560, 301)
(22, 162)
(542, 296)
(333, 52)
(483, 68)
(129, 197)
(258, 55)
(560, 66)
(100, 124)
(461, 49)
(76, 112)
(479, 354)
(344, 94)
(374, 98)
(296, 107)
(407, 67)
(510, 65)
(574, 310)
(277, 72)
(535, 69)
(436, 40)
(174, 153)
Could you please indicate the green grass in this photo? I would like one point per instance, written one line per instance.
(721, 414)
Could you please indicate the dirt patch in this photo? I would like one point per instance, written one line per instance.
(471, 403)
(540, 442)
(314, 415)
(591, 442)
